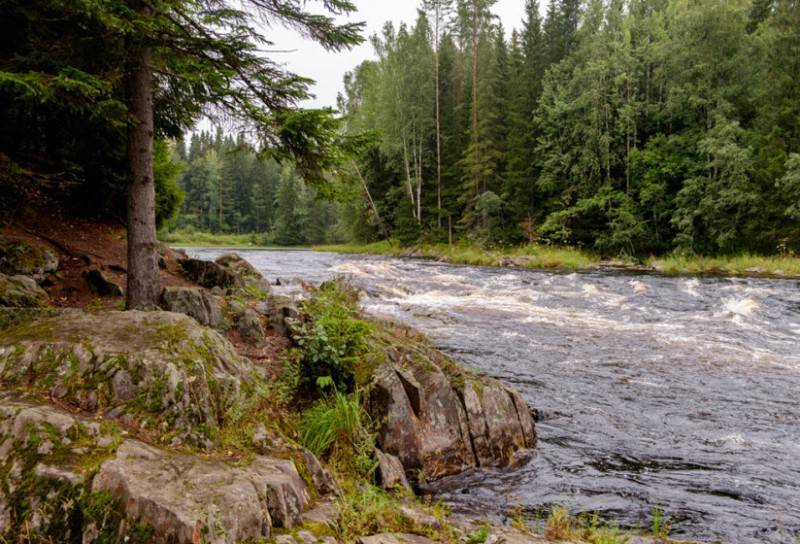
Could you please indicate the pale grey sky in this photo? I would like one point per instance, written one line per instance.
(310, 60)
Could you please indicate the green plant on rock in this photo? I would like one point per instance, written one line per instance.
(660, 526)
(559, 525)
(479, 536)
(337, 427)
(365, 510)
(332, 338)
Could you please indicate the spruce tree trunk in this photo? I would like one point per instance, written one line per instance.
(144, 283)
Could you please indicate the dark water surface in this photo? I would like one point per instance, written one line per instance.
(678, 392)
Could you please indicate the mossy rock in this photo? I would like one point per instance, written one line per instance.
(157, 371)
(236, 264)
(22, 257)
(21, 292)
(47, 459)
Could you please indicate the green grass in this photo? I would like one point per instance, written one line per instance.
(740, 265)
(196, 238)
(562, 526)
(528, 256)
(568, 258)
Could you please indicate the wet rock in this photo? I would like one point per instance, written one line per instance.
(158, 371)
(236, 264)
(21, 292)
(394, 538)
(26, 258)
(441, 420)
(390, 471)
(249, 325)
(209, 274)
(101, 285)
(430, 439)
(514, 262)
(195, 302)
(187, 499)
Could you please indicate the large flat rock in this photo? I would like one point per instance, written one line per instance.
(157, 371)
(187, 499)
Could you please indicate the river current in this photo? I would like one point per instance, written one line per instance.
(670, 392)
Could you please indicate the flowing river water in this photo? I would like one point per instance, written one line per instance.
(682, 393)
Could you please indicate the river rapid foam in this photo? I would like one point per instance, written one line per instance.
(653, 391)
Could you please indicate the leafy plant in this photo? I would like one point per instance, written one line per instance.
(332, 337)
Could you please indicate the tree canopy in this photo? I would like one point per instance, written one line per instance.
(630, 126)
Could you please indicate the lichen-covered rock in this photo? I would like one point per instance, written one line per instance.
(249, 325)
(188, 499)
(101, 285)
(441, 420)
(21, 292)
(209, 274)
(158, 371)
(47, 456)
(235, 263)
(22, 257)
(390, 471)
(195, 302)
(70, 479)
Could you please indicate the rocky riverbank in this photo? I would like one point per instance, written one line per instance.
(185, 425)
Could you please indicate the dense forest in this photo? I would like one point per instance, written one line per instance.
(228, 188)
(631, 127)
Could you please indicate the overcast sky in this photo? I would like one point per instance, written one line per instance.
(310, 60)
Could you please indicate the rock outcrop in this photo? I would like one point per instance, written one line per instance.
(21, 292)
(187, 499)
(282, 312)
(236, 264)
(25, 258)
(46, 456)
(441, 420)
(390, 471)
(195, 302)
(210, 274)
(70, 479)
(249, 325)
(153, 370)
(100, 284)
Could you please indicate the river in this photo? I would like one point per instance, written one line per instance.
(681, 393)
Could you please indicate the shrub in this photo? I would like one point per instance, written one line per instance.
(332, 337)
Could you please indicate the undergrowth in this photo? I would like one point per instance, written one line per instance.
(332, 337)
